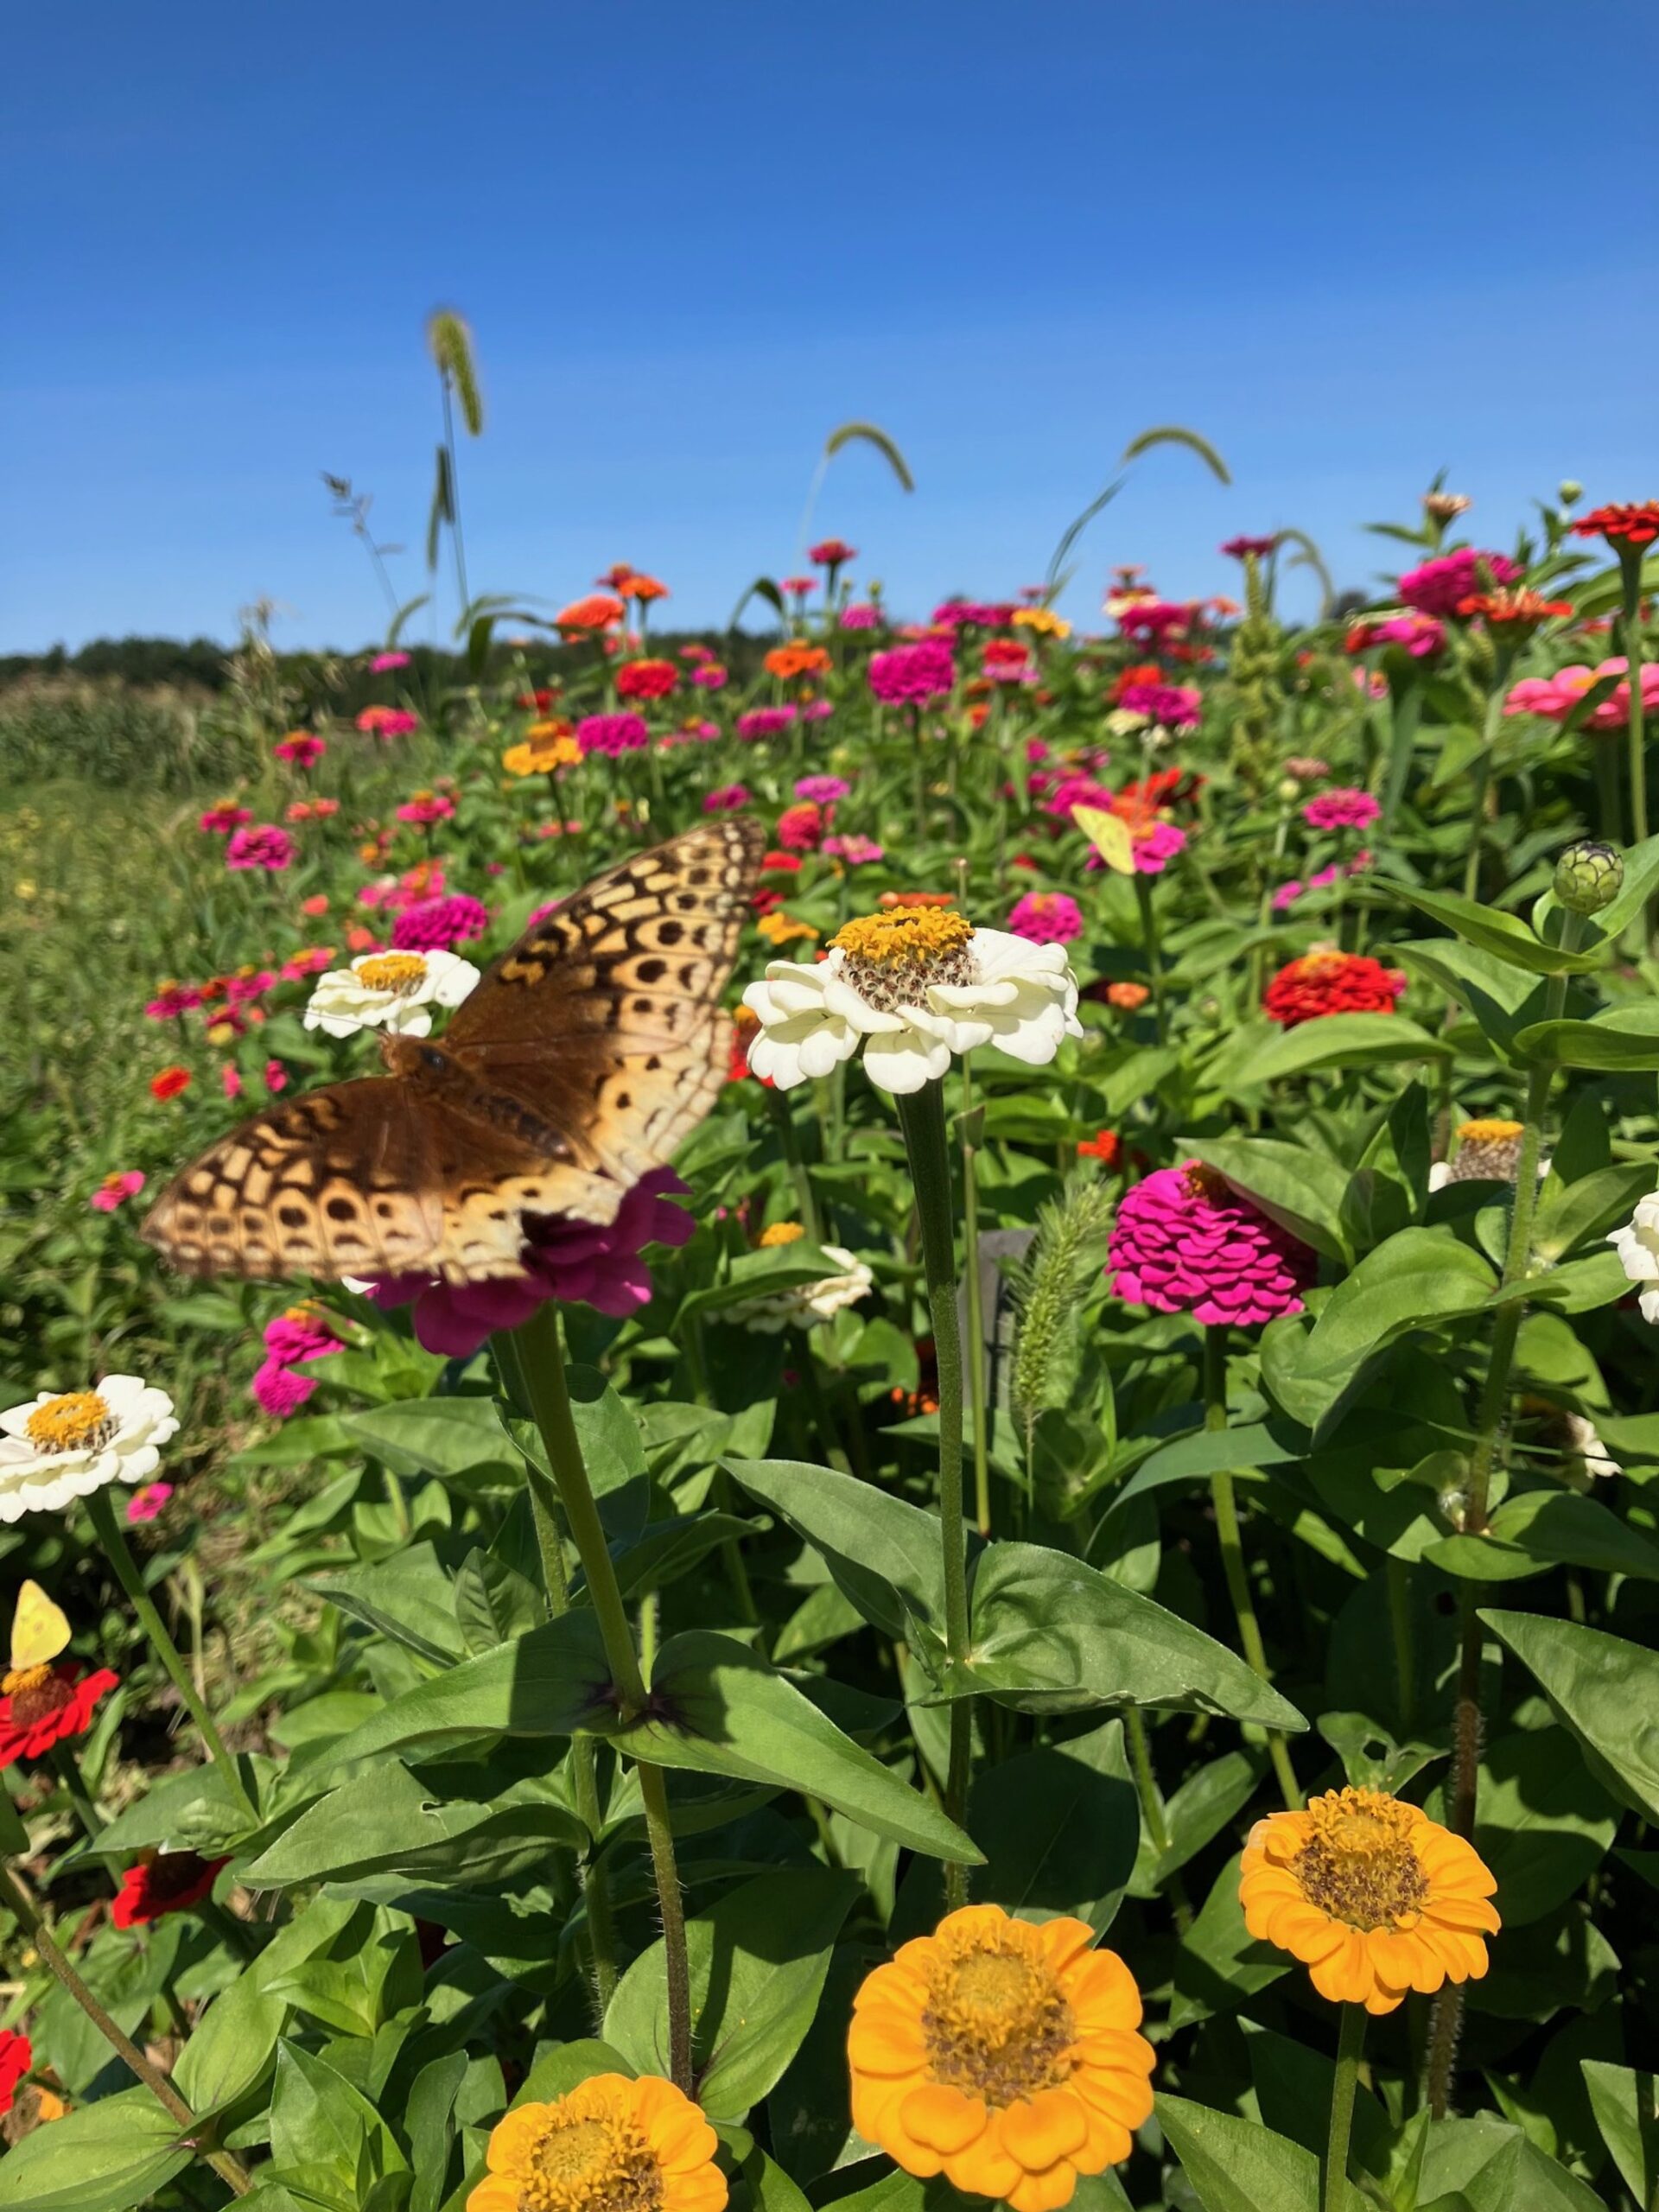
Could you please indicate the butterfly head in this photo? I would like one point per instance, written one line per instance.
(412, 1057)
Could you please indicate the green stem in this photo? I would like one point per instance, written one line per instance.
(1154, 962)
(1230, 1535)
(972, 1126)
(541, 1353)
(1152, 1809)
(1397, 1578)
(1630, 563)
(921, 1116)
(1492, 725)
(101, 1510)
(1349, 2043)
(68, 1768)
(229, 2170)
(790, 1140)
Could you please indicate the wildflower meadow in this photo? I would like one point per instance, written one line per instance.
(850, 1415)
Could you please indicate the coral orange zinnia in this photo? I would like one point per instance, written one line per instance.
(1003, 2055)
(610, 2143)
(1373, 1896)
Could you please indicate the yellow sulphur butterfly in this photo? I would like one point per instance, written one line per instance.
(1109, 835)
(39, 1629)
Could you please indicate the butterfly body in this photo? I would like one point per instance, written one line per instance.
(580, 1061)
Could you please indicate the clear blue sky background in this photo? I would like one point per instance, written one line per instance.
(1350, 246)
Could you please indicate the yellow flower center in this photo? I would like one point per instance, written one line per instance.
(398, 972)
(1489, 1132)
(781, 1232)
(1359, 1865)
(591, 2164)
(892, 959)
(997, 2025)
(78, 1421)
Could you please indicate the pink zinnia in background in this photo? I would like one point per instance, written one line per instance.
(1184, 1243)
(387, 722)
(765, 722)
(861, 618)
(427, 807)
(438, 925)
(1420, 634)
(1343, 809)
(573, 1262)
(264, 846)
(727, 800)
(1556, 697)
(1047, 917)
(857, 851)
(613, 734)
(1438, 586)
(824, 791)
(300, 748)
(1172, 704)
(220, 820)
(146, 1503)
(116, 1190)
(1155, 847)
(382, 662)
(801, 828)
(913, 675)
(1239, 547)
(709, 676)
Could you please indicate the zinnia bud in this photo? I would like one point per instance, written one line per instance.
(1588, 876)
(1570, 492)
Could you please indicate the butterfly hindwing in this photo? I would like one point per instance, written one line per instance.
(40, 1630)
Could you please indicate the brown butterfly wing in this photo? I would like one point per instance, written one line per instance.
(605, 1020)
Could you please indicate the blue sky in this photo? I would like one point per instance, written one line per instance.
(1350, 247)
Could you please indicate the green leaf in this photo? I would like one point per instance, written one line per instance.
(493, 1603)
(1337, 1040)
(548, 1683)
(407, 1598)
(386, 1821)
(1563, 1529)
(233, 2045)
(885, 1556)
(1624, 1038)
(432, 1436)
(105, 2157)
(723, 1711)
(1543, 1824)
(318, 2118)
(1623, 2104)
(1060, 1829)
(1499, 996)
(1051, 1635)
(1219, 1962)
(758, 1959)
(1300, 1189)
(1193, 1817)
(1604, 1689)
(1570, 1214)
(1488, 2166)
(1505, 935)
(1236, 2165)
(429, 2124)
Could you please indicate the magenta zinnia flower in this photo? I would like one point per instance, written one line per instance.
(1341, 810)
(860, 617)
(728, 799)
(612, 734)
(573, 1262)
(439, 924)
(1184, 1243)
(264, 846)
(824, 791)
(1047, 917)
(281, 1391)
(1177, 706)
(765, 722)
(1438, 586)
(913, 675)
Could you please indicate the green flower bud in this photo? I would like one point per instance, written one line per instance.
(1588, 876)
(1569, 491)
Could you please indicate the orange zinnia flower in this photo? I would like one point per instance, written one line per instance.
(1003, 2055)
(916, 898)
(598, 611)
(644, 588)
(797, 659)
(608, 2142)
(1127, 996)
(1514, 609)
(1373, 1896)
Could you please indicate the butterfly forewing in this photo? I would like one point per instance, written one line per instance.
(580, 1062)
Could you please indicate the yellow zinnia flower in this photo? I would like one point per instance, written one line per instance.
(611, 2142)
(1003, 2055)
(1042, 619)
(1373, 1896)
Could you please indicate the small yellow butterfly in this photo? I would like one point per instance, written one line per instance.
(1109, 835)
(40, 1630)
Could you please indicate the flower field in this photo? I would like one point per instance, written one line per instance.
(851, 1417)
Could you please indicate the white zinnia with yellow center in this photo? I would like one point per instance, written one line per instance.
(59, 1448)
(911, 987)
(394, 991)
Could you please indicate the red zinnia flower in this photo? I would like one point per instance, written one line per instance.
(1331, 982)
(1106, 1148)
(646, 679)
(1624, 522)
(43, 1706)
(16, 2057)
(170, 1082)
(171, 1882)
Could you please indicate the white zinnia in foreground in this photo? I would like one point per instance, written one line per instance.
(913, 987)
(388, 990)
(805, 1304)
(1638, 1247)
(58, 1449)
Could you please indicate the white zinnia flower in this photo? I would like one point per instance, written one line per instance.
(1584, 1444)
(913, 987)
(1637, 1246)
(388, 990)
(807, 1303)
(60, 1448)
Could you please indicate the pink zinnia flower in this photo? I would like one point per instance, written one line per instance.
(281, 1391)
(275, 1076)
(913, 675)
(1343, 809)
(1287, 895)
(219, 821)
(387, 722)
(1157, 618)
(146, 1504)
(1154, 848)
(800, 829)
(765, 722)
(727, 800)
(970, 614)
(1556, 697)
(1239, 547)
(709, 676)
(1184, 1243)
(861, 618)
(1419, 634)
(1437, 587)
(310, 962)
(264, 846)
(427, 807)
(172, 1001)
(382, 662)
(439, 924)
(798, 587)
(300, 748)
(831, 552)
(299, 1332)
(229, 1081)
(857, 852)
(613, 734)
(1175, 705)
(824, 791)
(573, 1262)
(1047, 917)
(114, 1190)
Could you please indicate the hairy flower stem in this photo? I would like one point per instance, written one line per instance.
(229, 2170)
(1629, 565)
(971, 1128)
(101, 1510)
(1351, 2043)
(1491, 1421)
(542, 1354)
(921, 1116)
(1225, 1501)
(584, 1777)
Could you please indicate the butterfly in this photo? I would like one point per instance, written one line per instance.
(1109, 835)
(578, 1063)
(40, 1630)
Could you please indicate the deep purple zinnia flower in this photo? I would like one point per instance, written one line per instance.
(1185, 1243)
(439, 924)
(575, 1261)
(913, 675)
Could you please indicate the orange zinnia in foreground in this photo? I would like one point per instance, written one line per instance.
(1372, 1895)
(1003, 2055)
(611, 2142)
